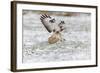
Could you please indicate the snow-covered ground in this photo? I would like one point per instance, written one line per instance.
(77, 35)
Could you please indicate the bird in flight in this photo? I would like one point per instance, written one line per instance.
(51, 25)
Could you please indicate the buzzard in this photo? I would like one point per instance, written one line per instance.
(51, 25)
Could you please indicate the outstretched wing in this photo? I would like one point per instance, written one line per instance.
(47, 21)
(51, 24)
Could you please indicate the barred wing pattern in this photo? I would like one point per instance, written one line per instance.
(50, 23)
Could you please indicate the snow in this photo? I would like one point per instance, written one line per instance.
(77, 35)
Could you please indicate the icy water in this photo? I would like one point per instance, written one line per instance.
(77, 35)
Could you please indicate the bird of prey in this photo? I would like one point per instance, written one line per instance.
(51, 25)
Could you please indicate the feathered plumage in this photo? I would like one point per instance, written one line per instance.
(50, 23)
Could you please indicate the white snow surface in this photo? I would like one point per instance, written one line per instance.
(77, 35)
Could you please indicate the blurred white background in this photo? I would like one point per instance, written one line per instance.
(5, 37)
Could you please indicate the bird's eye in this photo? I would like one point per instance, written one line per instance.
(52, 20)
